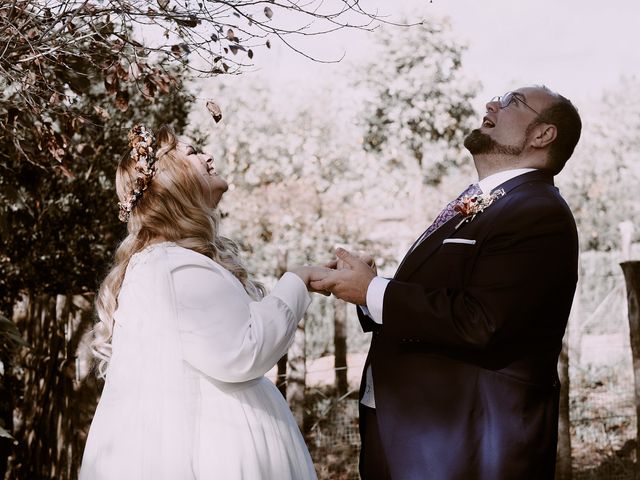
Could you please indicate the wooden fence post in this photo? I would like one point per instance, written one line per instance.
(563, 461)
(281, 378)
(340, 346)
(631, 270)
(296, 381)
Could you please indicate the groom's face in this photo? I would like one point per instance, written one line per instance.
(509, 120)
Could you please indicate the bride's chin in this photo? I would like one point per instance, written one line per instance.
(217, 196)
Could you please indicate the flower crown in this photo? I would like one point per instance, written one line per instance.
(142, 144)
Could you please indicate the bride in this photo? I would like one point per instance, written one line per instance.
(185, 336)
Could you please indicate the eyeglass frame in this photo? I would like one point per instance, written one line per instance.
(514, 96)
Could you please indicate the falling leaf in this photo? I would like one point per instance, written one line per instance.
(214, 37)
(268, 44)
(163, 4)
(268, 12)
(214, 110)
(250, 53)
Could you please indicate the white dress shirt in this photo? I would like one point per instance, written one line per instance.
(377, 287)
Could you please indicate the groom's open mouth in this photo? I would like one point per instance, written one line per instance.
(487, 123)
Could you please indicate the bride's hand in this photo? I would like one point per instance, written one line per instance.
(311, 273)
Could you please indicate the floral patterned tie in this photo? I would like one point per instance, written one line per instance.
(447, 213)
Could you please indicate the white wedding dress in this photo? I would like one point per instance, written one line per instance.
(185, 397)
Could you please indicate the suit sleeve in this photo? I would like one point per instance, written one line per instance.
(529, 260)
(227, 336)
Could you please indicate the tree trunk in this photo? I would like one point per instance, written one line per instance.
(296, 377)
(631, 272)
(340, 345)
(563, 461)
(281, 378)
(57, 405)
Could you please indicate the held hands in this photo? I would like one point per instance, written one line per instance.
(310, 273)
(339, 263)
(350, 279)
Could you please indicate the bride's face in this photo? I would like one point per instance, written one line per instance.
(203, 164)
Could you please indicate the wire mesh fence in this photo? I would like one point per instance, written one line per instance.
(603, 432)
(333, 437)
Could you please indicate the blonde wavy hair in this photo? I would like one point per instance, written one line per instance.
(175, 206)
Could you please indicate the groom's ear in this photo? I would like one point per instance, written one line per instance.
(544, 135)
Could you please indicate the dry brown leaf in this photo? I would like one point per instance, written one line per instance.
(122, 101)
(102, 113)
(214, 110)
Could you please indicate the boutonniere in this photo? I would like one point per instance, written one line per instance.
(471, 205)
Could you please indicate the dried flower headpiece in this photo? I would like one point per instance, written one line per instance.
(142, 144)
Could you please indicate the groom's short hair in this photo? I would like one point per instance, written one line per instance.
(564, 115)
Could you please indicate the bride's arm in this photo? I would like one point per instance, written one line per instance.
(223, 334)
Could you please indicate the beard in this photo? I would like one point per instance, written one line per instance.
(481, 143)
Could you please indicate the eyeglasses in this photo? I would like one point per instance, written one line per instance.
(510, 97)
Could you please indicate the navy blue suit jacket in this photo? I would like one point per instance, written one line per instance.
(465, 362)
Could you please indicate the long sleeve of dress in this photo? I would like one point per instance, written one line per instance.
(225, 334)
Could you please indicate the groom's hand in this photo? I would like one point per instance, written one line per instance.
(349, 283)
(340, 264)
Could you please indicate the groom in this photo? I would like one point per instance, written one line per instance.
(461, 381)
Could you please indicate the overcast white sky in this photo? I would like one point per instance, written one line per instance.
(577, 47)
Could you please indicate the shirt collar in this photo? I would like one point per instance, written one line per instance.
(492, 181)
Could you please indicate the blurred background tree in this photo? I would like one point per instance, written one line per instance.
(419, 110)
(601, 179)
(59, 230)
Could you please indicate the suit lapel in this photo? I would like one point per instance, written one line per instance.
(427, 247)
(414, 259)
